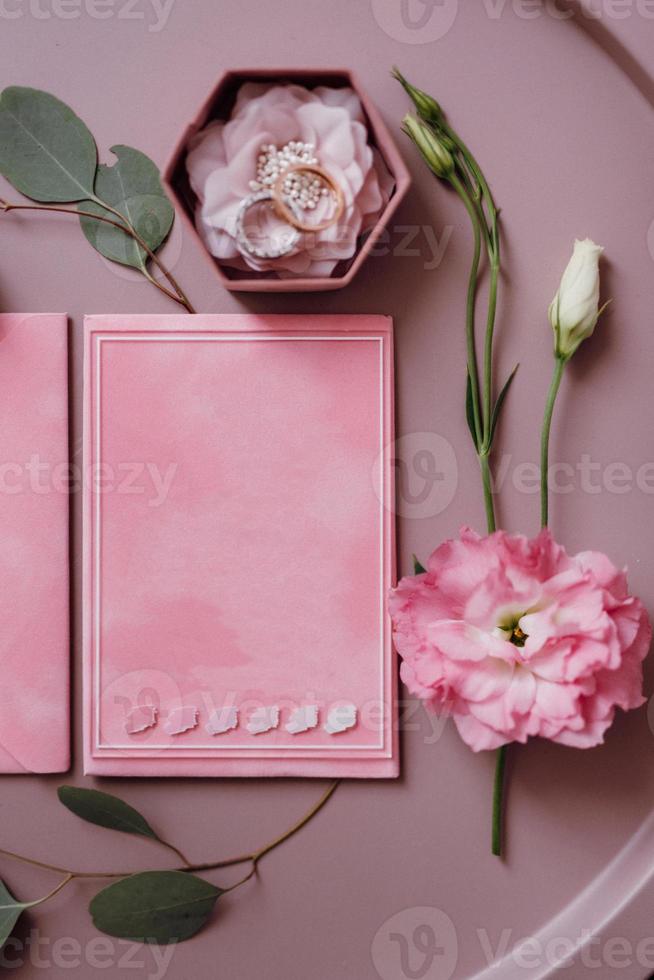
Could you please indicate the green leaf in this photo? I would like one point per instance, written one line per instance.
(46, 151)
(105, 810)
(418, 567)
(470, 414)
(155, 906)
(500, 401)
(10, 912)
(132, 186)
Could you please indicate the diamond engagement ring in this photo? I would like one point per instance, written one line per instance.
(283, 243)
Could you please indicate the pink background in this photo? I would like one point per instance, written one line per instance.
(565, 136)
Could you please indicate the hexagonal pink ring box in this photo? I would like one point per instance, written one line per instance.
(218, 106)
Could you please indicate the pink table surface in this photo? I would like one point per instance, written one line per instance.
(560, 114)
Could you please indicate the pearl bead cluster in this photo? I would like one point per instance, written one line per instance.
(303, 189)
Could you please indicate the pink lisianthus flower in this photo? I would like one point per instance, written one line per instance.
(514, 637)
(222, 163)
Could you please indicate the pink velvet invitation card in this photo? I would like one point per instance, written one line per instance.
(34, 499)
(238, 546)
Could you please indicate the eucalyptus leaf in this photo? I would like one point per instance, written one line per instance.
(418, 567)
(133, 187)
(105, 810)
(10, 912)
(46, 151)
(155, 906)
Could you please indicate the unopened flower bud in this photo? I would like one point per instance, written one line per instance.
(434, 152)
(427, 107)
(574, 311)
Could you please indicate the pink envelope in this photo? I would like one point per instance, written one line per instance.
(34, 497)
(238, 546)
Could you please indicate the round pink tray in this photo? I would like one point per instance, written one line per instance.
(560, 114)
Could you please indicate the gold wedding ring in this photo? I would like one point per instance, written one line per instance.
(281, 199)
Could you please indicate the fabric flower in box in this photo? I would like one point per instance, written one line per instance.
(271, 129)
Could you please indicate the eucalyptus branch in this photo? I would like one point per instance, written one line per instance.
(129, 227)
(241, 881)
(176, 850)
(51, 894)
(207, 866)
(187, 899)
(258, 855)
(254, 857)
(177, 295)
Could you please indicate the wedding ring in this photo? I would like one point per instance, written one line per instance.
(284, 203)
(284, 244)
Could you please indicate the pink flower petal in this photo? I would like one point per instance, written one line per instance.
(478, 736)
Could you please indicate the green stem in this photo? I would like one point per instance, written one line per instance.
(241, 881)
(492, 241)
(559, 365)
(498, 788)
(486, 480)
(476, 195)
(256, 857)
(176, 850)
(473, 278)
(471, 185)
(206, 866)
(478, 175)
(51, 894)
(488, 350)
(498, 801)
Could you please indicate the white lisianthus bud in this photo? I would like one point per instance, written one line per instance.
(574, 311)
(434, 151)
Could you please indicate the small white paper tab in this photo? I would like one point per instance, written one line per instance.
(263, 720)
(141, 718)
(181, 720)
(222, 720)
(341, 718)
(302, 719)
